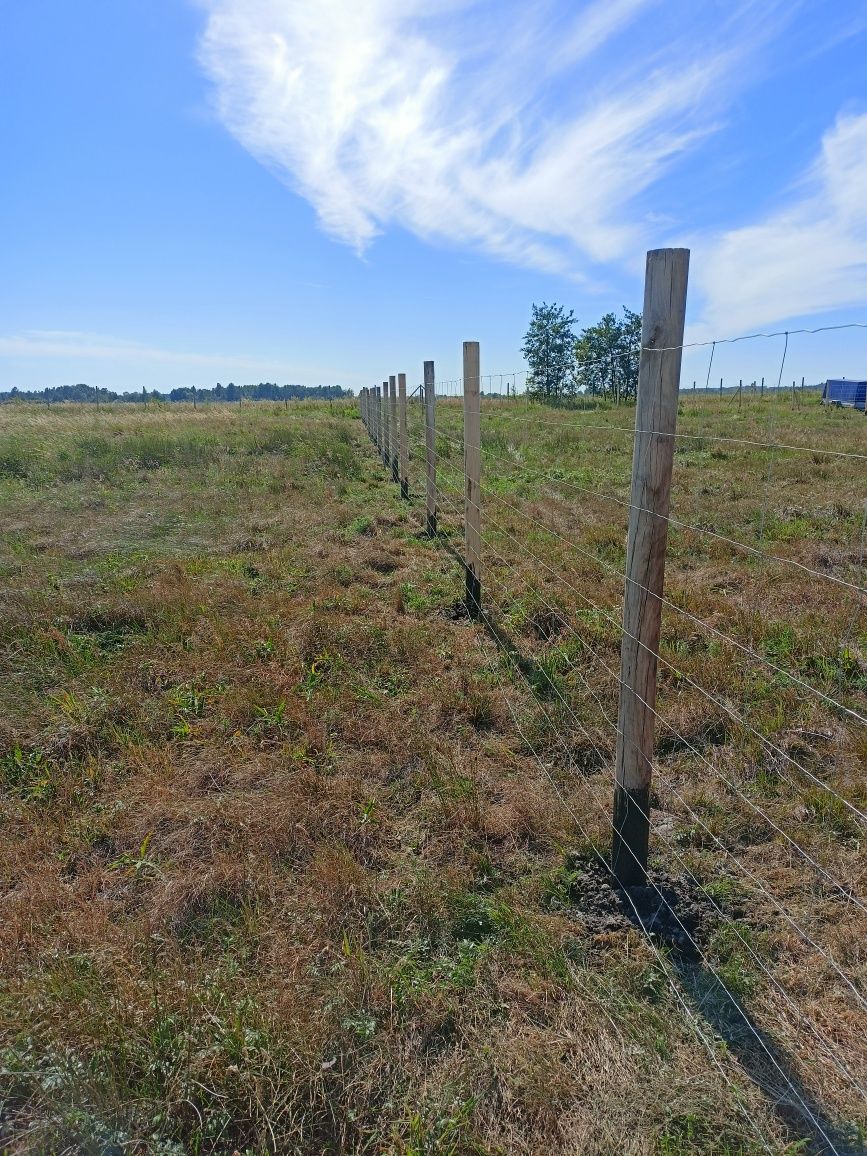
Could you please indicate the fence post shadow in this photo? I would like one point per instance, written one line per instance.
(763, 1059)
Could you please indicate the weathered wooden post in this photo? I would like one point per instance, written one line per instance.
(430, 447)
(652, 462)
(386, 409)
(404, 437)
(392, 428)
(472, 478)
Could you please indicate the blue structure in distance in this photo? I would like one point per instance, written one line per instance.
(852, 394)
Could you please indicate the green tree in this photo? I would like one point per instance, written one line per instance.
(606, 357)
(548, 349)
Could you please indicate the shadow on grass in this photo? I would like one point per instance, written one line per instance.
(767, 1064)
(762, 1059)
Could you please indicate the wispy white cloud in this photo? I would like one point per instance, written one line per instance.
(805, 258)
(597, 24)
(81, 351)
(532, 133)
(440, 118)
(74, 344)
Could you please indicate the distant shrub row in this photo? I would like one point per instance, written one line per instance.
(264, 391)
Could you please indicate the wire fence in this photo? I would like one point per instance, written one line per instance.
(717, 655)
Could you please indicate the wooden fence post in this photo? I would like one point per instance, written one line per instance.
(404, 439)
(392, 428)
(386, 409)
(472, 478)
(430, 447)
(652, 462)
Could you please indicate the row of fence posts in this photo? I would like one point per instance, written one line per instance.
(754, 387)
(384, 414)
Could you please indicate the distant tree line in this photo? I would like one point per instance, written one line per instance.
(600, 360)
(264, 391)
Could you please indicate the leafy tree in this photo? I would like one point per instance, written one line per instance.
(548, 350)
(606, 357)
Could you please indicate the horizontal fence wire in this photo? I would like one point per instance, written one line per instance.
(842, 888)
(694, 619)
(565, 482)
(824, 1045)
(727, 639)
(838, 1062)
(754, 337)
(451, 499)
(845, 891)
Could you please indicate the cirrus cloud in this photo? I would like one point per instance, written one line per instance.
(478, 124)
(536, 134)
(807, 257)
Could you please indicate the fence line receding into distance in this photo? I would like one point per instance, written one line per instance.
(635, 721)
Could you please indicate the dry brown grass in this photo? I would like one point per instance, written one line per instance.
(281, 874)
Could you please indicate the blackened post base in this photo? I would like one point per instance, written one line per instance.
(473, 597)
(631, 836)
(395, 475)
(431, 525)
(404, 489)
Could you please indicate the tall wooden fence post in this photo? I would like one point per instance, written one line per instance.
(386, 408)
(652, 462)
(472, 478)
(430, 447)
(392, 428)
(374, 415)
(404, 438)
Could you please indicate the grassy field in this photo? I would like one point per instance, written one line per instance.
(296, 861)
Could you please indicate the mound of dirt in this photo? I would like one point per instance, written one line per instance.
(670, 909)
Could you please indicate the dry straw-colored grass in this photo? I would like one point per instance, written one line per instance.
(281, 873)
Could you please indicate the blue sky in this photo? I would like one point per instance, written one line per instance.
(334, 190)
